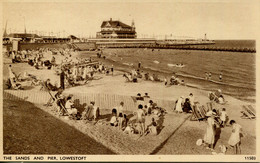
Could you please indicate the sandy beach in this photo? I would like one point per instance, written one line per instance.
(178, 134)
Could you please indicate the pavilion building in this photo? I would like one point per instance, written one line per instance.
(116, 29)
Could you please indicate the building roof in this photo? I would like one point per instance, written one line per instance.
(119, 32)
(114, 24)
(23, 35)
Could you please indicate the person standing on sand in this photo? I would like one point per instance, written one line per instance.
(179, 105)
(62, 77)
(120, 108)
(141, 118)
(210, 76)
(235, 138)
(209, 137)
(112, 70)
(206, 76)
(139, 65)
(220, 77)
(191, 98)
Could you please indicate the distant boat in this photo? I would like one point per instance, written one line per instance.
(157, 62)
(171, 65)
(176, 65)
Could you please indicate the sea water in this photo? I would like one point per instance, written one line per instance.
(237, 68)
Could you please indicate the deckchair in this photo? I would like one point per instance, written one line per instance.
(210, 105)
(197, 114)
(203, 110)
(63, 108)
(52, 98)
(248, 112)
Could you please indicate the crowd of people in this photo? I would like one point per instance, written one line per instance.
(218, 119)
(136, 75)
(138, 123)
(127, 122)
(208, 76)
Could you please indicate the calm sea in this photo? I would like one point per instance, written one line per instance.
(238, 69)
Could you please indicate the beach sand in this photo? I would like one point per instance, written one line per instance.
(179, 134)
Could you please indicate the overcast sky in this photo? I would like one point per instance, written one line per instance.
(219, 19)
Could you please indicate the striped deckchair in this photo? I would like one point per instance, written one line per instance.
(248, 112)
(198, 113)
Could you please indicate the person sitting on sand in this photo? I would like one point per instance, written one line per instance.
(127, 78)
(152, 128)
(235, 138)
(216, 96)
(221, 99)
(70, 107)
(113, 120)
(14, 84)
(129, 129)
(156, 111)
(187, 106)
(173, 80)
(141, 118)
(50, 86)
(146, 76)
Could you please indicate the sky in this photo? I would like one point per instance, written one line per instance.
(180, 19)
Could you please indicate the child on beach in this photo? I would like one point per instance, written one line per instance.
(223, 117)
(120, 121)
(235, 138)
(152, 128)
(129, 129)
(141, 118)
(113, 120)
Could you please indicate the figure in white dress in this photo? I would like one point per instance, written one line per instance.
(179, 104)
(235, 138)
(209, 137)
